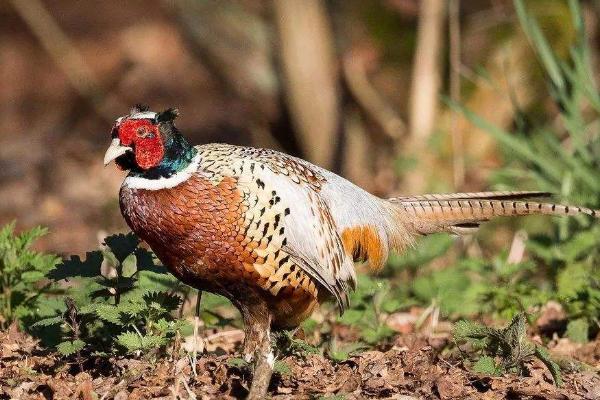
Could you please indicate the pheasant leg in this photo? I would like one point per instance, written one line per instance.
(257, 346)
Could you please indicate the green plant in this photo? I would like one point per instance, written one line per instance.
(497, 351)
(371, 302)
(464, 287)
(340, 353)
(370, 305)
(281, 368)
(150, 322)
(477, 286)
(22, 273)
(119, 300)
(560, 156)
(287, 344)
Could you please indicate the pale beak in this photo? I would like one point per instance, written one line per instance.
(115, 150)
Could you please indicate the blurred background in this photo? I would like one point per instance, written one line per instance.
(361, 87)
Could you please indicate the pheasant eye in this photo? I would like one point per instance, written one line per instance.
(144, 133)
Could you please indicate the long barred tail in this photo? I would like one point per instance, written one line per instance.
(462, 213)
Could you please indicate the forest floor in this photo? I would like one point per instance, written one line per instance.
(410, 367)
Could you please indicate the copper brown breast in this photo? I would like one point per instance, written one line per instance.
(207, 235)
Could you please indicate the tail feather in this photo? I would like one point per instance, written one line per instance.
(507, 195)
(462, 213)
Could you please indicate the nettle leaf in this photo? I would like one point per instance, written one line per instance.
(109, 313)
(183, 326)
(70, 347)
(132, 308)
(163, 326)
(75, 267)
(543, 355)
(351, 316)
(122, 245)
(130, 340)
(152, 281)
(509, 344)
(145, 262)
(48, 322)
(310, 325)
(342, 353)
(580, 245)
(543, 247)
(303, 348)
(32, 276)
(134, 342)
(26, 239)
(281, 368)
(487, 365)
(374, 335)
(237, 362)
(44, 262)
(390, 305)
(154, 341)
(578, 330)
(573, 279)
(89, 308)
(163, 300)
(21, 269)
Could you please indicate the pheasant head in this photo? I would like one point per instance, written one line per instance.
(148, 144)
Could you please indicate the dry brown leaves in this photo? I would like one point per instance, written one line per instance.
(411, 369)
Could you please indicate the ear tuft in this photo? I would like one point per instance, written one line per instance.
(168, 115)
(138, 108)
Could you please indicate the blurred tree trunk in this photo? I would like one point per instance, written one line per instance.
(426, 69)
(233, 41)
(426, 78)
(310, 76)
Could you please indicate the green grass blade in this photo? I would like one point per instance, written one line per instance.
(541, 45)
(520, 147)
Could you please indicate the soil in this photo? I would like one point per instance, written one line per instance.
(411, 368)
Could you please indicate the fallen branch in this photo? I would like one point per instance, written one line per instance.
(355, 67)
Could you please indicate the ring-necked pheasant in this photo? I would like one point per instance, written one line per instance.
(271, 232)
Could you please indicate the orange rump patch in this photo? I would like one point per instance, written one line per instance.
(363, 243)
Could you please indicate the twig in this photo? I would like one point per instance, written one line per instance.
(233, 332)
(355, 73)
(517, 248)
(196, 326)
(455, 74)
(435, 319)
(188, 390)
(449, 364)
(122, 384)
(71, 314)
(175, 388)
(421, 320)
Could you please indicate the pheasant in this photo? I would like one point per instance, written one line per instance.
(274, 234)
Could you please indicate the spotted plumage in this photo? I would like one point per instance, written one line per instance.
(274, 233)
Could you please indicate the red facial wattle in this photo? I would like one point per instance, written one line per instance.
(145, 138)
